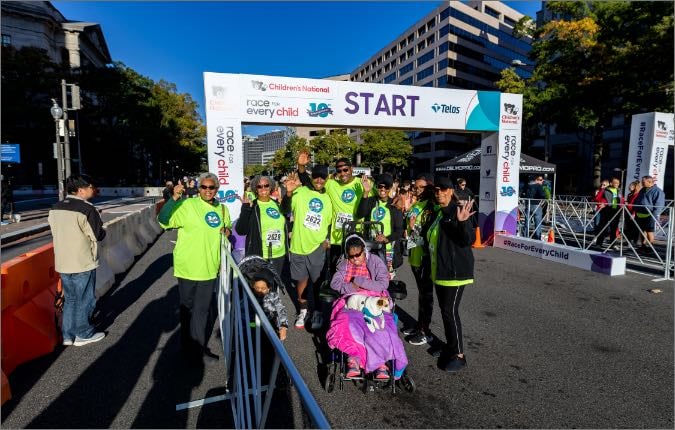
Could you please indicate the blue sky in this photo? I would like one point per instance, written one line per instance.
(178, 41)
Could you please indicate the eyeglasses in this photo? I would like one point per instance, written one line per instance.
(208, 187)
(260, 186)
(353, 256)
(342, 169)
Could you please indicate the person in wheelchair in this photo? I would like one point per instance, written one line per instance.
(362, 323)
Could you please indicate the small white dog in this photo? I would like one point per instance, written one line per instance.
(373, 309)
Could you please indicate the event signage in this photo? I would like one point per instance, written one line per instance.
(233, 99)
(599, 262)
(650, 135)
(11, 153)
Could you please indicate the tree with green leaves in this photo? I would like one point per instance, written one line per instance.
(329, 147)
(285, 159)
(599, 60)
(385, 148)
(254, 169)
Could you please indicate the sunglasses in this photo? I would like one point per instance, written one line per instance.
(439, 189)
(351, 257)
(342, 169)
(319, 176)
(208, 187)
(383, 186)
(260, 186)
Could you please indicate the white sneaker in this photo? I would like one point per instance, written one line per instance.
(67, 342)
(94, 338)
(317, 320)
(300, 320)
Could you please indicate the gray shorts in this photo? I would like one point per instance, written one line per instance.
(307, 266)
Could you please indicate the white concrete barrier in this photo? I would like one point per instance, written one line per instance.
(594, 261)
(126, 237)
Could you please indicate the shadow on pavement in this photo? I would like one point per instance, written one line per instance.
(98, 395)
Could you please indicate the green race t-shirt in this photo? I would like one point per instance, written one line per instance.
(272, 229)
(432, 237)
(312, 213)
(382, 214)
(197, 253)
(345, 199)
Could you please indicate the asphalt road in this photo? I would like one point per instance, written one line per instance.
(548, 346)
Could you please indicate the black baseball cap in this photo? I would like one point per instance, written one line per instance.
(444, 183)
(384, 179)
(320, 171)
(345, 161)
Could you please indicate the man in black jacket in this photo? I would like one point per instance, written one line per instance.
(382, 209)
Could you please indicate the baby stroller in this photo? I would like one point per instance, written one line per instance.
(336, 367)
(249, 267)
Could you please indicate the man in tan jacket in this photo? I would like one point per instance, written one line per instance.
(76, 228)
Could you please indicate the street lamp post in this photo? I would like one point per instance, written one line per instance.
(57, 113)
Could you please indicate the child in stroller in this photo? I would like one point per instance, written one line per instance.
(363, 325)
(265, 284)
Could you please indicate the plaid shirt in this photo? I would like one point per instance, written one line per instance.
(354, 271)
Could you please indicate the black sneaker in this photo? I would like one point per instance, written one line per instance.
(420, 338)
(455, 365)
(410, 330)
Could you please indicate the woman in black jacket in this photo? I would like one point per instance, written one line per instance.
(264, 225)
(449, 238)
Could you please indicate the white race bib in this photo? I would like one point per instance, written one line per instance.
(312, 221)
(343, 218)
(274, 238)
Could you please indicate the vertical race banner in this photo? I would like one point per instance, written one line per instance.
(650, 135)
(508, 162)
(488, 184)
(224, 141)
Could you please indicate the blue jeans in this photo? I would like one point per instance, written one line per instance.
(78, 291)
(534, 212)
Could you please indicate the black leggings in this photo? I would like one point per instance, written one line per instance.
(449, 299)
(425, 297)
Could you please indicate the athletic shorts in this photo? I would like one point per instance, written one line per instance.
(307, 266)
(646, 224)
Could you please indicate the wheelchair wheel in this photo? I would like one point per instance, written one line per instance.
(407, 382)
(329, 383)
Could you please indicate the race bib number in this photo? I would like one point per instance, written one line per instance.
(312, 221)
(274, 237)
(343, 218)
(410, 243)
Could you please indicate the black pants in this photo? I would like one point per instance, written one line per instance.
(425, 297)
(196, 321)
(610, 226)
(449, 299)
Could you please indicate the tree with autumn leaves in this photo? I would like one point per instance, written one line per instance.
(596, 61)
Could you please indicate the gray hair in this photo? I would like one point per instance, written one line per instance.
(256, 180)
(209, 175)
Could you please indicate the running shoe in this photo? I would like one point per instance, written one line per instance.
(381, 373)
(300, 320)
(353, 370)
(420, 338)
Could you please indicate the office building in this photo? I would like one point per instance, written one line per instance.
(462, 45)
(253, 149)
(41, 25)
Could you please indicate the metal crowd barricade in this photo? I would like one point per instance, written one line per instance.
(242, 356)
(576, 223)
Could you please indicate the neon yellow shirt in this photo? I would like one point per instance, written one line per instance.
(312, 213)
(272, 229)
(197, 253)
(345, 199)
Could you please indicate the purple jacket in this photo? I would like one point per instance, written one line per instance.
(378, 273)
